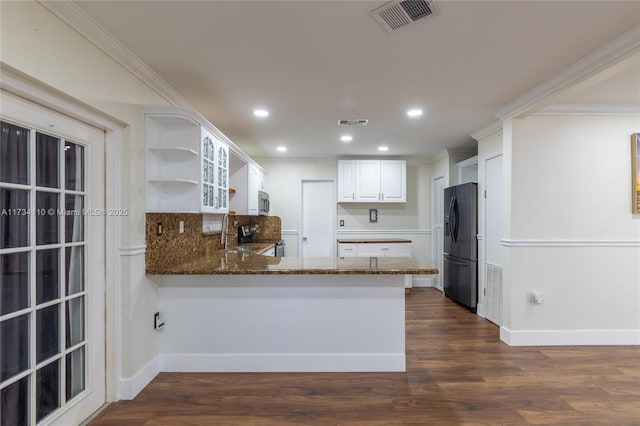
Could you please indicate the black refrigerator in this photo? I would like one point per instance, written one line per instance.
(461, 244)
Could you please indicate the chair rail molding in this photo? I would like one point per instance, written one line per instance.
(134, 250)
(569, 243)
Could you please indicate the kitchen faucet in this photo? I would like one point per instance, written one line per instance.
(223, 234)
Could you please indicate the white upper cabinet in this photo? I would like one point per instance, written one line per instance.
(187, 167)
(346, 181)
(247, 179)
(256, 183)
(393, 181)
(215, 174)
(372, 181)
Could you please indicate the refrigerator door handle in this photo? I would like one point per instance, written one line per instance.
(449, 215)
(454, 219)
(455, 262)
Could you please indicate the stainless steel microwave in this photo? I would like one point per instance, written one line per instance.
(263, 203)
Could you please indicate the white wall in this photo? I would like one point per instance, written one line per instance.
(570, 229)
(410, 220)
(38, 44)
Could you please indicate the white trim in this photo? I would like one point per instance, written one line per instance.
(487, 131)
(569, 337)
(133, 250)
(22, 85)
(422, 281)
(198, 118)
(603, 58)
(130, 388)
(289, 232)
(79, 20)
(227, 363)
(570, 243)
(590, 109)
(33, 90)
(385, 231)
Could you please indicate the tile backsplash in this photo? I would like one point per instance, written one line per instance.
(172, 246)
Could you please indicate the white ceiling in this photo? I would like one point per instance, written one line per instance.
(311, 63)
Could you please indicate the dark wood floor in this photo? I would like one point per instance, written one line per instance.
(458, 372)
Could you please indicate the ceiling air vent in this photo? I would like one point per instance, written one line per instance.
(397, 14)
(358, 122)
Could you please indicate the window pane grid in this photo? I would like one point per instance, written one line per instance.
(16, 378)
(48, 379)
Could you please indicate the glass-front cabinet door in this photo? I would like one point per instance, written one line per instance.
(223, 176)
(215, 174)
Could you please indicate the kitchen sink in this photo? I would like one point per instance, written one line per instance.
(241, 250)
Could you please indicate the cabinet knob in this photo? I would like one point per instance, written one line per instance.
(304, 238)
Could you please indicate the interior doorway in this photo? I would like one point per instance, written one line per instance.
(318, 218)
(494, 251)
(437, 227)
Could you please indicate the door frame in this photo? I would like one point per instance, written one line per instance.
(434, 249)
(333, 212)
(482, 247)
(19, 84)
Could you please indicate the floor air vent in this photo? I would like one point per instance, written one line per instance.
(397, 14)
(493, 310)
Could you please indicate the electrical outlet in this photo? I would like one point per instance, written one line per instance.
(342, 222)
(536, 298)
(158, 322)
(159, 229)
(181, 227)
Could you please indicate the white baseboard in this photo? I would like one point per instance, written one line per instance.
(130, 388)
(569, 337)
(419, 281)
(275, 363)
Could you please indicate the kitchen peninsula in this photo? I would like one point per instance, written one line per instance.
(228, 312)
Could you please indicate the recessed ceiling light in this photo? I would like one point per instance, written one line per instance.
(414, 112)
(261, 113)
(346, 138)
(383, 148)
(282, 149)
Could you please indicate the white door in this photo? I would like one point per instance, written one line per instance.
(52, 272)
(494, 251)
(437, 215)
(318, 219)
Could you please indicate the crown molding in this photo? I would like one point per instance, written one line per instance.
(79, 20)
(603, 58)
(590, 109)
(487, 130)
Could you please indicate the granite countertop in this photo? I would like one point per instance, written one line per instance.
(373, 240)
(250, 264)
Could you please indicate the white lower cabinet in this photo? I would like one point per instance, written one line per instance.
(378, 249)
(399, 249)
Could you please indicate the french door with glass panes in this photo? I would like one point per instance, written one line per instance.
(52, 340)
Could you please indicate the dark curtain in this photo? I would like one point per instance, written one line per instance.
(14, 154)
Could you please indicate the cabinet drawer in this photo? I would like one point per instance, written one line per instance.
(385, 249)
(347, 250)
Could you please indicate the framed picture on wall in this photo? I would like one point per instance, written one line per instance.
(635, 172)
